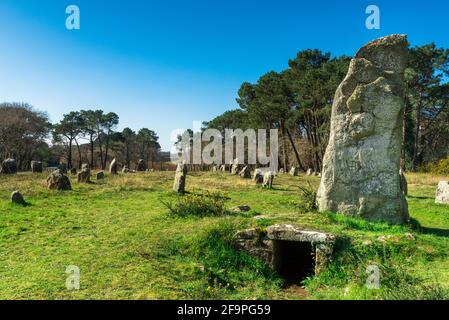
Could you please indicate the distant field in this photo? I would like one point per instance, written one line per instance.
(127, 246)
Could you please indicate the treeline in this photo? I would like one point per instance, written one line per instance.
(86, 136)
(298, 102)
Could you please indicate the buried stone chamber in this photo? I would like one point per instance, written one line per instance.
(361, 164)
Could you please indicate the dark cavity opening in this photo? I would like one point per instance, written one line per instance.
(293, 261)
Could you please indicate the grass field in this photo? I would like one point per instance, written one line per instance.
(127, 245)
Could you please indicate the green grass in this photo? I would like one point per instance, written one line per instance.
(128, 246)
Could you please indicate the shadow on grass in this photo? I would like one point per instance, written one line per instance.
(420, 198)
(415, 225)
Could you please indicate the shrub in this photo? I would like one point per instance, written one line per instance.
(307, 199)
(440, 167)
(202, 205)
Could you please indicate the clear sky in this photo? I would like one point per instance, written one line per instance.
(164, 64)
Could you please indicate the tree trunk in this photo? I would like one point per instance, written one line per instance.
(295, 150)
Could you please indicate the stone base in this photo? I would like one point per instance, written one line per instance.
(287, 249)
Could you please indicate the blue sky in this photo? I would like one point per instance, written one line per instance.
(164, 64)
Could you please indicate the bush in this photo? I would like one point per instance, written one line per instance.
(440, 167)
(307, 199)
(202, 205)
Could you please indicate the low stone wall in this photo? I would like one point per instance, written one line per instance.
(260, 243)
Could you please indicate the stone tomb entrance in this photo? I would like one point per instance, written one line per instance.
(292, 252)
(293, 261)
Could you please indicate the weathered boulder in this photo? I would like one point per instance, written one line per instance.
(9, 166)
(245, 173)
(281, 170)
(268, 178)
(242, 208)
(141, 165)
(309, 172)
(36, 167)
(58, 181)
(223, 168)
(361, 163)
(294, 171)
(214, 168)
(442, 195)
(235, 167)
(180, 178)
(17, 198)
(258, 175)
(113, 167)
(84, 175)
(125, 169)
(100, 175)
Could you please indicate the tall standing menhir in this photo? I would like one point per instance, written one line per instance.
(361, 163)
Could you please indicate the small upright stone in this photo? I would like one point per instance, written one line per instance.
(84, 174)
(180, 178)
(17, 198)
(113, 167)
(235, 167)
(125, 169)
(281, 171)
(141, 166)
(58, 181)
(100, 175)
(404, 184)
(294, 171)
(268, 178)
(214, 168)
(245, 173)
(36, 167)
(309, 172)
(9, 166)
(442, 196)
(73, 171)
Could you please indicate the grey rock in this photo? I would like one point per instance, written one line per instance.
(141, 165)
(180, 178)
(258, 175)
(268, 178)
(36, 167)
(58, 181)
(294, 171)
(245, 173)
(84, 175)
(242, 208)
(9, 166)
(442, 195)
(404, 184)
(235, 167)
(125, 169)
(113, 167)
(361, 163)
(100, 175)
(17, 198)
